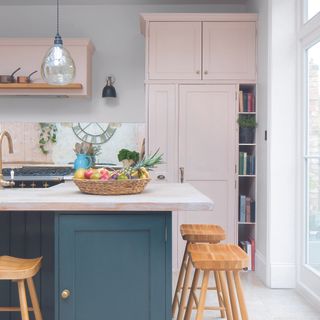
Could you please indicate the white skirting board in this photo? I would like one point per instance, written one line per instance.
(309, 295)
(276, 275)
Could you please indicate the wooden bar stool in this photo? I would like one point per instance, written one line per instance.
(227, 260)
(194, 233)
(19, 270)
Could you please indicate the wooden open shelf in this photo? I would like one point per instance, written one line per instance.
(40, 86)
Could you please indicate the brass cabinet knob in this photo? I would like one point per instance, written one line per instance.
(197, 72)
(65, 294)
(206, 72)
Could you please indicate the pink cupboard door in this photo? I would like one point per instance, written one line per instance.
(174, 50)
(229, 50)
(162, 134)
(162, 130)
(207, 150)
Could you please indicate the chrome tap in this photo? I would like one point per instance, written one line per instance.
(6, 134)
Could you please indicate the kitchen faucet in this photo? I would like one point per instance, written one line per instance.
(3, 134)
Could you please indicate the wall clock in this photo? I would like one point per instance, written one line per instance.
(93, 132)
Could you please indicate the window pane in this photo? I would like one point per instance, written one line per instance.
(313, 241)
(313, 159)
(313, 146)
(313, 8)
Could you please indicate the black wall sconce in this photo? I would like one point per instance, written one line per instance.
(109, 91)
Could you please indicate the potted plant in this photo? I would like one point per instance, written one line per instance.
(247, 126)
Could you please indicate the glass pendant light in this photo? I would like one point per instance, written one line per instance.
(58, 67)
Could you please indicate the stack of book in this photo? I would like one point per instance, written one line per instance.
(246, 102)
(247, 209)
(246, 164)
(249, 247)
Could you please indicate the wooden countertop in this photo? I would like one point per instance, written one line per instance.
(67, 197)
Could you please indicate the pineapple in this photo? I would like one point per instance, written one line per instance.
(147, 163)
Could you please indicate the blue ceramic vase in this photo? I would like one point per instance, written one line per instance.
(83, 161)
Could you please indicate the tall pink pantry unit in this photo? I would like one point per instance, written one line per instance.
(196, 64)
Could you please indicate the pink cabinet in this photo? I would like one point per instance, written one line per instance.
(162, 130)
(207, 144)
(174, 50)
(229, 50)
(220, 47)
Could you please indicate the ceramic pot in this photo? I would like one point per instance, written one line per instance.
(83, 161)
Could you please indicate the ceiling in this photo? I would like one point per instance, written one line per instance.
(128, 2)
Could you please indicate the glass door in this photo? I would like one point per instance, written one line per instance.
(311, 253)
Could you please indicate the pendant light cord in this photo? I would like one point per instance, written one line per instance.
(58, 17)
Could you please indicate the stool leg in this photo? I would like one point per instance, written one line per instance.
(34, 299)
(23, 300)
(203, 294)
(183, 297)
(242, 304)
(180, 280)
(193, 290)
(225, 295)
(232, 294)
(218, 286)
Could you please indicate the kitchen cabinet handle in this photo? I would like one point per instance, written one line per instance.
(65, 294)
(181, 174)
(206, 72)
(161, 177)
(197, 72)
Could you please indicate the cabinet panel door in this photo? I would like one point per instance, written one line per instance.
(207, 149)
(163, 135)
(229, 50)
(115, 266)
(174, 50)
(162, 130)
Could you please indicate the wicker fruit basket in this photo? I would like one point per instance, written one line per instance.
(111, 187)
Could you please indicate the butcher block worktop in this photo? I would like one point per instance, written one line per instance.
(67, 197)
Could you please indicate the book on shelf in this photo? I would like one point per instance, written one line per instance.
(240, 101)
(246, 209)
(253, 254)
(246, 101)
(242, 208)
(246, 164)
(249, 247)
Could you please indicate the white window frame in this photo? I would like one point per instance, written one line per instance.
(304, 16)
(308, 35)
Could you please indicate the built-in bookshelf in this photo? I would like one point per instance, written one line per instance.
(247, 170)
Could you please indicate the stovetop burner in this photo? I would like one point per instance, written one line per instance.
(39, 171)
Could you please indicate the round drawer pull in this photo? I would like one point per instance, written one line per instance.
(206, 72)
(65, 294)
(161, 177)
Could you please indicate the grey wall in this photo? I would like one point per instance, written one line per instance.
(115, 33)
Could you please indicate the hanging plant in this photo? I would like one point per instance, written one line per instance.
(48, 134)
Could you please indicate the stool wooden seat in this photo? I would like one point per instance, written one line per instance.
(193, 233)
(226, 260)
(21, 270)
(210, 233)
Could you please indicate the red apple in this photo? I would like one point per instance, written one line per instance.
(88, 173)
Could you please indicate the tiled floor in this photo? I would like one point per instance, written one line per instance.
(270, 304)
